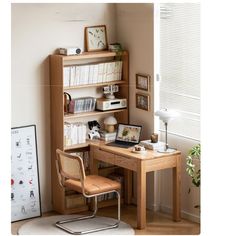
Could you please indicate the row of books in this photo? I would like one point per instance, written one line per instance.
(84, 104)
(92, 73)
(85, 158)
(74, 133)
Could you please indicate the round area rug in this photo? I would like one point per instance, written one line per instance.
(46, 226)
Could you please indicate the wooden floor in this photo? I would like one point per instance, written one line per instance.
(157, 223)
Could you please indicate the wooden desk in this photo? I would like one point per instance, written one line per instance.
(141, 164)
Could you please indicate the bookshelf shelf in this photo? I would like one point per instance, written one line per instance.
(92, 113)
(95, 85)
(58, 84)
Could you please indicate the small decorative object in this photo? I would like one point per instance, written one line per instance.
(109, 91)
(166, 116)
(142, 82)
(154, 138)
(139, 149)
(95, 38)
(110, 123)
(153, 146)
(94, 128)
(25, 191)
(142, 101)
(115, 47)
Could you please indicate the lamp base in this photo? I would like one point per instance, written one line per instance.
(168, 150)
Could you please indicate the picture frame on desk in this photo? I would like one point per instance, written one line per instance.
(142, 82)
(142, 101)
(96, 38)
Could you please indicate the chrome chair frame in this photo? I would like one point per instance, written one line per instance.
(60, 224)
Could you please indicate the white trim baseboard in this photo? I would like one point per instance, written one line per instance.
(184, 214)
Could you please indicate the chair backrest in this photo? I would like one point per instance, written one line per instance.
(69, 167)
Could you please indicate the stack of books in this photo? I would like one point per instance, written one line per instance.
(74, 133)
(108, 137)
(92, 73)
(153, 146)
(84, 104)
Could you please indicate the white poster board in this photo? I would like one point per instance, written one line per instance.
(25, 193)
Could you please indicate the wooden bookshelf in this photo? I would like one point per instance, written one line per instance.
(57, 88)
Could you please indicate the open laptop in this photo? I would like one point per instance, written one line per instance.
(127, 136)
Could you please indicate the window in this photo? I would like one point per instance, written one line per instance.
(180, 66)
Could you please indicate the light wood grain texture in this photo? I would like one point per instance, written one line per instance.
(157, 223)
(92, 113)
(57, 128)
(142, 164)
(128, 188)
(57, 63)
(177, 189)
(141, 195)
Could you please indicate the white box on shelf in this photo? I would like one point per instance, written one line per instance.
(153, 146)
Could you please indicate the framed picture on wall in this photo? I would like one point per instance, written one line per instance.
(142, 101)
(142, 82)
(25, 192)
(96, 38)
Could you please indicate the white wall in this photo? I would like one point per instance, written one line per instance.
(135, 32)
(37, 30)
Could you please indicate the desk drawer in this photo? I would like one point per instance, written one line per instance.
(104, 156)
(126, 162)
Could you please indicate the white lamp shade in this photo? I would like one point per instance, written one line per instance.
(166, 115)
(110, 120)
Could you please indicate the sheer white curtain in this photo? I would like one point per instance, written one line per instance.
(180, 66)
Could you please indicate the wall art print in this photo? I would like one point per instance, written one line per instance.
(25, 192)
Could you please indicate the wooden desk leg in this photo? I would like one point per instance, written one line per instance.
(177, 190)
(93, 163)
(128, 186)
(141, 196)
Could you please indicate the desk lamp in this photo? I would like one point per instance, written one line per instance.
(110, 123)
(166, 116)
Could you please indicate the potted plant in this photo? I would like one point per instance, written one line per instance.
(193, 170)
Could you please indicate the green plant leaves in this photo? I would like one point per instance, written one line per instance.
(195, 174)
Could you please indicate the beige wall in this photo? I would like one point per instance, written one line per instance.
(188, 200)
(135, 31)
(37, 30)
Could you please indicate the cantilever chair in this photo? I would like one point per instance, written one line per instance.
(90, 186)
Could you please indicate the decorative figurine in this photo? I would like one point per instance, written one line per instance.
(154, 138)
(94, 128)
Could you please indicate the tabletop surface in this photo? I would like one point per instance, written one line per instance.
(127, 152)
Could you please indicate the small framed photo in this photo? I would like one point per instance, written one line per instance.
(142, 101)
(142, 82)
(96, 38)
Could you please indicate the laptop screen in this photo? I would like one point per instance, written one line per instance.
(128, 133)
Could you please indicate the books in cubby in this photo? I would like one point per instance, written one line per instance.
(74, 133)
(85, 158)
(83, 104)
(93, 73)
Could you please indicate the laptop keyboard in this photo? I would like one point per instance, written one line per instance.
(122, 145)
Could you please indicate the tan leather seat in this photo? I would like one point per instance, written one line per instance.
(93, 184)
